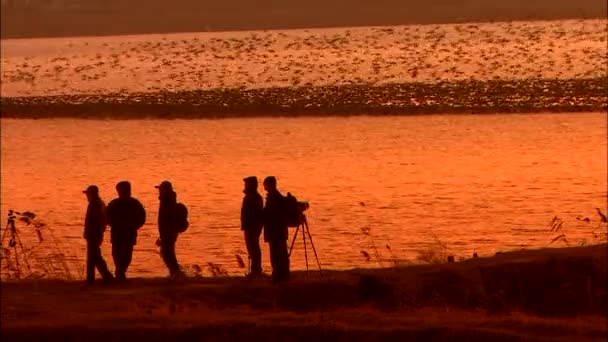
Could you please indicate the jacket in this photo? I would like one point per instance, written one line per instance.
(125, 216)
(167, 217)
(95, 221)
(275, 220)
(252, 212)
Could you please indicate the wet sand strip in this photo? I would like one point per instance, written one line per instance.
(459, 97)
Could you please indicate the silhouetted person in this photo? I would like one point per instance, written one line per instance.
(125, 215)
(252, 221)
(172, 220)
(94, 227)
(275, 230)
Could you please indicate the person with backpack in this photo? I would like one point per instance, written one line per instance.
(172, 220)
(275, 230)
(126, 215)
(252, 211)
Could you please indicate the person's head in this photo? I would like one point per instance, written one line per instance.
(168, 197)
(164, 188)
(171, 197)
(251, 184)
(92, 192)
(270, 183)
(123, 189)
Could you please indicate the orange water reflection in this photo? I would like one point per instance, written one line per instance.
(479, 183)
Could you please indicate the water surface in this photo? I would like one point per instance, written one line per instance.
(477, 183)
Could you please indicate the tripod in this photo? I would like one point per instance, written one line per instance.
(14, 243)
(305, 231)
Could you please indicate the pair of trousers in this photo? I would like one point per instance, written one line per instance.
(95, 260)
(252, 241)
(279, 259)
(122, 254)
(167, 252)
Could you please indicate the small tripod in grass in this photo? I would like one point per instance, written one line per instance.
(305, 232)
(14, 247)
(24, 255)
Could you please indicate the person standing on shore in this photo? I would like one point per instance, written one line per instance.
(125, 216)
(172, 220)
(94, 227)
(275, 230)
(252, 222)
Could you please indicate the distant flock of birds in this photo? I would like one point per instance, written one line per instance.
(569, 49)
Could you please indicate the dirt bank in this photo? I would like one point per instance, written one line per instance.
(545, 295)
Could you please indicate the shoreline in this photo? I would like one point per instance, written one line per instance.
(549, 294)
(456, 97)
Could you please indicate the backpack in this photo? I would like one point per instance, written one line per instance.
(181, 217)
(292, 211)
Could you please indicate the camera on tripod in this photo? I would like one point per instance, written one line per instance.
(302, 206)
(297, 219)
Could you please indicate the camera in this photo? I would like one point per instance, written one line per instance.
(302, 206)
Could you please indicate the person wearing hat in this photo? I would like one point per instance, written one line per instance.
(172, 220)
(275, 230)
(94, 227)
(252, 222)
(126, 215)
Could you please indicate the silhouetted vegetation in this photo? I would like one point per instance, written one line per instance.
(30, 250)
(555, 282)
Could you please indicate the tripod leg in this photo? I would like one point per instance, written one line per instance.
(313, 246)
(6, 252)
(14, 240)
(5, 232)
(25, 261)
(293, 241)
(17, 266)
(304, 240)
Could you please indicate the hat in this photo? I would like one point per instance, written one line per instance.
(91, 189)
(251, 180)
(270, 180)
(164, 185)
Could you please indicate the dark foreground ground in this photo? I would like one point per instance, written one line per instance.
(462, 97)
(44, 18)
(536, 295)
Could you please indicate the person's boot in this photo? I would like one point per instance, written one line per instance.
(255, 274)
(121, 277)
(276, 277)
(177, 274)
(108, 279)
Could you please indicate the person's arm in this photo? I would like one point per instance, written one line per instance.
(259, 212)
(86, 223)
(142, 215)
(243, 214)
(265, 214)
(104, 217)
(110, 214)
(99, 221)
